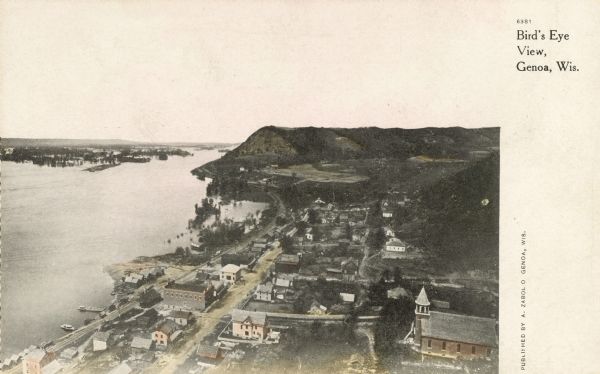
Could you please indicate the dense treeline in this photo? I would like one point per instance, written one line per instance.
(462, 215)
(310, 144)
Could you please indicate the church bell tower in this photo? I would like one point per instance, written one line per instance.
(421, 312)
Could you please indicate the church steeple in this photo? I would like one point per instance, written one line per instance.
(422, 308)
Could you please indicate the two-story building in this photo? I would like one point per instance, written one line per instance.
(394, 248)
(164, 333)
(230, 274)
(249, 325)
(287, 263)
(35, 361)
(196, 295)
(264, 292)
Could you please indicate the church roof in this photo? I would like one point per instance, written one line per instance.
(460, 328)
(422, 298)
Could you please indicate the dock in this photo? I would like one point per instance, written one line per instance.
(94, 309)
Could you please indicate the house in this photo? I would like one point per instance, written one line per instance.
(164, 334)
(394, 248)
(347, 297)
(195, 295)
(359, 234)
(69, 353)
(395, 245)
(264, 292)
(398, 293)
(452, 335)
(349, 267)
(389, 232)
(230, 274)
(334, 272)
(249, 325)
(317, 308)
(180, 317)
(35, 361)
(152, 273)
(309, 234)
(149, 318)
(134, 279)
(387, 213)
(209, 352)
(141, 345)
(100, 341)
(287, 263)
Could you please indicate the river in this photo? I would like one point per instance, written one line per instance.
(62, 226)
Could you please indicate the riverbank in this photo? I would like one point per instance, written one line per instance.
(52, 263)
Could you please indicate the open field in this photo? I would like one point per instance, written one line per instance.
(310, 173)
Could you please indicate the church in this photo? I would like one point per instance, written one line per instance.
(452, 335)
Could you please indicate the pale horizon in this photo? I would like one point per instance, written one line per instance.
(216, 72)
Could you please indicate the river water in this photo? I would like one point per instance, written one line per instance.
(62, 226)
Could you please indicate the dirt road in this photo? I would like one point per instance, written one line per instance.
(209, 320)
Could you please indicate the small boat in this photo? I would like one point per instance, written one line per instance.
(67, 327)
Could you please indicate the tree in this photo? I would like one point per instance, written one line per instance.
(377, 238)
(301, 227)
(397, 275)
(287, 244)
(313, 216)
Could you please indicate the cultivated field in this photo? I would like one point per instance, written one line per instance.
(309, 173)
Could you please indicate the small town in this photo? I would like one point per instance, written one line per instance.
(320, 281)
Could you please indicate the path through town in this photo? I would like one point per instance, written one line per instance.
(210, 319)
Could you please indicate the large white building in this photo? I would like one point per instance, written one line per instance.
(394, 248)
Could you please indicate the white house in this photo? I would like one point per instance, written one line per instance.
(389, 232)
(264, 292)
(394, 248)
(395, 245)
(347, 297)
(309, 234)
(230, 273)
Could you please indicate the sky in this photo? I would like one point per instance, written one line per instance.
(218, 71)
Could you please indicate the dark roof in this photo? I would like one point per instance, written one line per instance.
(168, 327)
(195, 286)
(440, 304)
(209, 351)
(460, 328)
(288, 259)
(181, 314)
